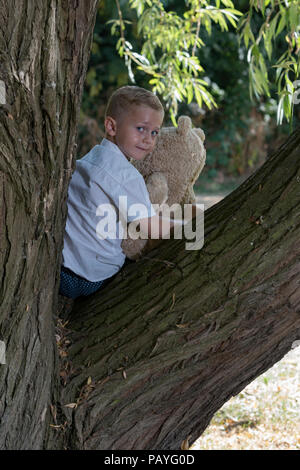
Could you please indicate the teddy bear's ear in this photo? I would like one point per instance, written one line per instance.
(184, 125)
(200, 133)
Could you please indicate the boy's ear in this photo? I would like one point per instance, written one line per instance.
(110, 126)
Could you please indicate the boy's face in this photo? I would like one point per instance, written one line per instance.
(135, 132)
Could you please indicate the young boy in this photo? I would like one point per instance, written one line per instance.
(133, 119)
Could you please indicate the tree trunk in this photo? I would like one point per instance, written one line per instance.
(147, 361)
(154, 355)
(44, 48)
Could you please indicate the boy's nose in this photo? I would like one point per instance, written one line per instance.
(147, 137)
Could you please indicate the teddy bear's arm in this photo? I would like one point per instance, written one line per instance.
(189, 196)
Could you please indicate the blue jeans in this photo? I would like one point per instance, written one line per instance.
(72, 285)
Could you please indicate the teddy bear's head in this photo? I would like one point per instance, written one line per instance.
(179, 155)
(170, 172)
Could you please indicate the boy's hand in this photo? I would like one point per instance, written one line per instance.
(158, 227)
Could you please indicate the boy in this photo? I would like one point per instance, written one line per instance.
(133, 119)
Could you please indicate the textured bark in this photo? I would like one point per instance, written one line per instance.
(148, 360)
(155, 354)
(44, 48)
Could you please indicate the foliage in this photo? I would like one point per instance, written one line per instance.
(171, 41)
(170, 44)
(106, 69)
(227, 127)
(239, 133)
(280, 17)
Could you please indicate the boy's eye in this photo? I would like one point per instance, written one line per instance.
(154, 133)
(140, 129)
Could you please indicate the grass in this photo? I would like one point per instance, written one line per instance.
(264, 416)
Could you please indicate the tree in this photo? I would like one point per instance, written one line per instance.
(155, 354)
(146, 362)
(44, 53)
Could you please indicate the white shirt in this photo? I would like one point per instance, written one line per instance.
(93, 233)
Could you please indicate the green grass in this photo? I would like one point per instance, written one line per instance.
(265, 415)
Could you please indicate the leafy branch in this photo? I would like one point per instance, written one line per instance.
(171, 41)
(281, 16)
(169, 49)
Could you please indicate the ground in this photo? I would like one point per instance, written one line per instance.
(264, 416)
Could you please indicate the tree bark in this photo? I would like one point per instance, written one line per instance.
(154, 355)
(144, 363)
(44, 48)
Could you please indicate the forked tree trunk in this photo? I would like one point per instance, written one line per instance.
(44, 49)
(155, 354)
(147, 361)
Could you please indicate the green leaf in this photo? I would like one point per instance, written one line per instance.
(141, 58)
(281, 23)
(293, 16)
(190, 93)
(287, 106)
(247, 33)
(268, 45)
(272, 26)
(280, 111)
(198, 96)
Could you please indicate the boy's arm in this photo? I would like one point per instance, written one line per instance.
(158, 227)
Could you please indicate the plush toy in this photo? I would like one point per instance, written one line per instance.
(170, 172)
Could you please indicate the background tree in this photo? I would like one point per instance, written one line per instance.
(146, 362)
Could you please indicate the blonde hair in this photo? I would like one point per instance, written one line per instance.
(127, 96)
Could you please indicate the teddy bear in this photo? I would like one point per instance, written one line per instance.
(170, 172)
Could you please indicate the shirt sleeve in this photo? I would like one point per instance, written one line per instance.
(129, 196)
(136, 204)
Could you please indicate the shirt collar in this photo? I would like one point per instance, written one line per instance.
(112, 147)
